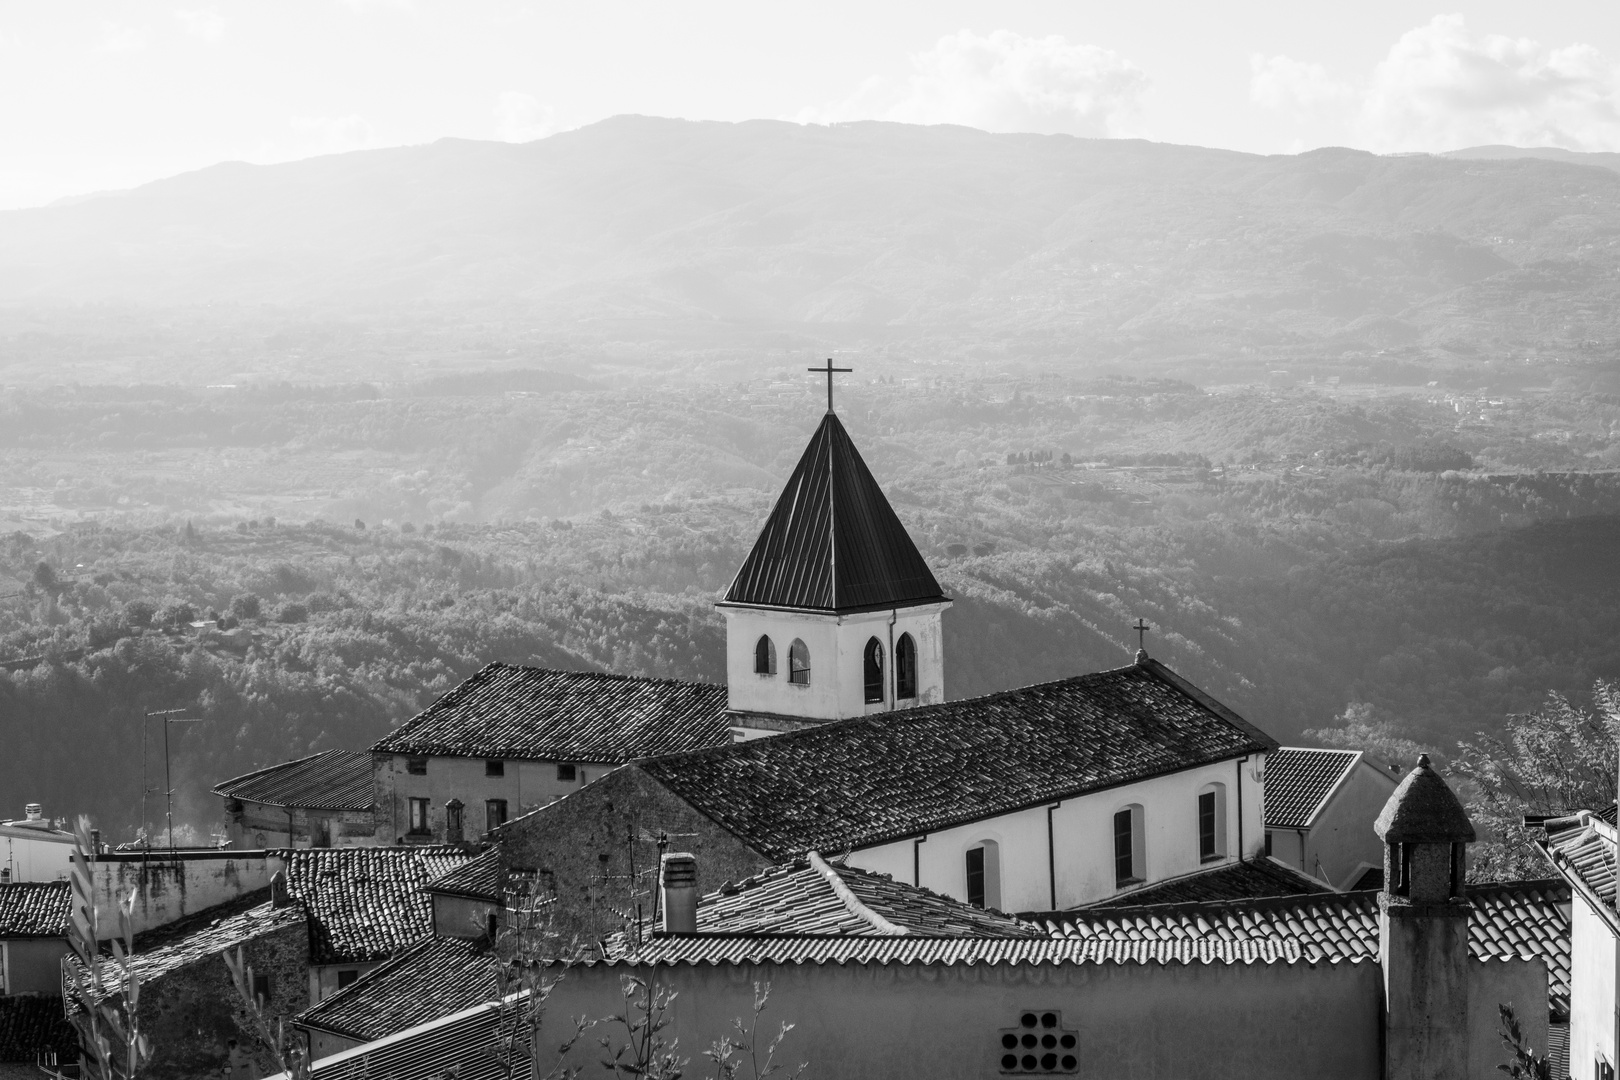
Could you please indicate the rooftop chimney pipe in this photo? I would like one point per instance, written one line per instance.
(679, 875)
(33, 811)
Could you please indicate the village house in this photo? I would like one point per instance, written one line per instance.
(33, 939)
(1582, 849)
(324, 800)
(35, 849)
(1317, 806)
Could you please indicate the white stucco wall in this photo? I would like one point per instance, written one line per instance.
(1341, 842)
(45, 856)
(1594, 957)
(1082, 848)
(526, 785)
(837, 645)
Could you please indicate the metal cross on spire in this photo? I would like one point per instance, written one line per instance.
(829, 370)
(1141, 629)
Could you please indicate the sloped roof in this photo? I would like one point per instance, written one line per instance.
(457, 1045)
(435, 977)
(1298, 782)
(1508, 920)
(32, 1024)
(205, 937)
(1233, 881)
(1423, 810)
(35, 909)
(1581, 847)
(573, 716)
(329, 780)
(814, 897)
(833, 542)
(478, 877)
(366, 903)
(874, 779)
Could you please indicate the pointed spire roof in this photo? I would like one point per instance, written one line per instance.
(833, 542)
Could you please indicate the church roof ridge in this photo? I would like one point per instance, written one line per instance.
(832, 542)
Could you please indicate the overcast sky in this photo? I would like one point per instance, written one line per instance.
(107, 95)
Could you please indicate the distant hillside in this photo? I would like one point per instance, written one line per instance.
(1543, 153)
(949, 241)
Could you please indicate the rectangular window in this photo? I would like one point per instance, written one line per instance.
(565, 773)
(261, 988)
(347, 976)
(495, 810)
(1126, 872)
(494, 768)
(1268, 843)
(419, 816)
(416, 766)
(1207, 846)
(975, 876)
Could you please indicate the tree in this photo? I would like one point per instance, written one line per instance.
(292, 612)
(45, 576)
(1523, 1062)
(1556, 760)
(742, 1048)
(1366, 727)
(139, 613)
(245, 606)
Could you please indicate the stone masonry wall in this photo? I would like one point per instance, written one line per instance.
(582, 847)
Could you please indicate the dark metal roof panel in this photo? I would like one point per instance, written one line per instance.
(833, 542)
(874, 779)
(329, 780)
(573, 716)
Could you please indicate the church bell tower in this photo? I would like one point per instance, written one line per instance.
(834, 613)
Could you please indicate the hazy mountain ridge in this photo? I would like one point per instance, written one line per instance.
(949, 238)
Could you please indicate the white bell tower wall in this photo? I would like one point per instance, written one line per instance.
(836, 644)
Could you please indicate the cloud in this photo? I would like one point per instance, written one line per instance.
(207, 25)
(116, 38)
(1003, 82)
(334, 134)
(1293, 87)
(1441, 88)
(521, 118)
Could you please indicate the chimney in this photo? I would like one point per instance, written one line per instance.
(5, 875)
(679, 876)
(95, 841)
(1423, 929)
(33, 811)
(279, 897)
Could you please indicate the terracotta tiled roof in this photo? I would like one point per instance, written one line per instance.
(1580, 845)
(1298, 781)
(779, 949)
(329, 780)
(35, 909)
(155, 957)
(1234, 881)
(885, 777)
(479, 877)
(366, 903)
(1508, 920)
(433, 978)
(32, 1025)
(570, 716)
(833, 542)
(801, 898)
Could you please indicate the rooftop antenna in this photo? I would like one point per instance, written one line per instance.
(1141, 629)
(169, 716)
(828, 371)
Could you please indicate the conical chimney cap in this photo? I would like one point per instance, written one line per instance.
(1423, 810)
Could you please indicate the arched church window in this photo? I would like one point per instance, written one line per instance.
(984, 874)
(905, 668)
(872, 668)
(798, 663)
(765, 656)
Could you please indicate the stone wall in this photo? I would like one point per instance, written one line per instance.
(582, 847)
(193, 1014)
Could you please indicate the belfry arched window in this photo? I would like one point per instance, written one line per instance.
(799, 663)
(905, 668)
(872, 669)
(764, 656)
